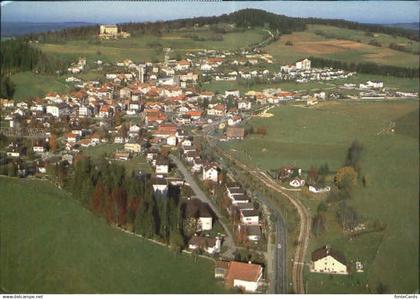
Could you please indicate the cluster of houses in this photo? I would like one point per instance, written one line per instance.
(302, 72)
(76, 68)
(375, 90)
(237, 203)
(293, 177)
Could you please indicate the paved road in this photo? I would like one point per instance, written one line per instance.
(228, 241)
(305, 220)
(279, 254)
(280, 247)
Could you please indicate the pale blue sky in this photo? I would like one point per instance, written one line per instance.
(119, 11)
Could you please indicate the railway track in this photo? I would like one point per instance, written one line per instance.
(305, 222)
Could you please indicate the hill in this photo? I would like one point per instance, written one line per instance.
(408, 26)
(50, 244)
(14, 29)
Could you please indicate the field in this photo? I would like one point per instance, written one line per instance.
(135, 164)
(29, 85)
(308, 43)
(360, 36)
(149, 47)
(50, 244)
(313, 136)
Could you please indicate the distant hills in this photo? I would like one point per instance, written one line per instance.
(244, 18)
(410, 26)
(13, 29)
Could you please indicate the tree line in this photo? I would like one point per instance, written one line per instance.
(344, 180)
(128, 201)
(371, 28)
(20, 56)
(366, 67)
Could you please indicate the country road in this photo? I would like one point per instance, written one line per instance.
(304, 216)
(280, 248)
(276, 254)
(228, 240)
(279, 259)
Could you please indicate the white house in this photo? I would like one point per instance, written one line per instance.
(207, 244)
(160, 185)
(205, 222)
(211, 172)
(244, 105)
(56, 110)
(38, 149)
(234, 190)
(162, 166)
(304, 64)
(171, 140)
(249, 217)
(328, 260)
(233, 93)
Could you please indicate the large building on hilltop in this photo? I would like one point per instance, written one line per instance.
(111, 32)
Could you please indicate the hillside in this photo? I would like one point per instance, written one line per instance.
(333, 39)
(50, 244)
(310, 137)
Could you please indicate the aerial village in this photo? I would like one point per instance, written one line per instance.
(156, 111)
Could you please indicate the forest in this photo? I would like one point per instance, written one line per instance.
(20, 56)
(127, 201)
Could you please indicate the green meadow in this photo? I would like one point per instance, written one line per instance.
(30, 85)
(50, 244)
(307, 137)
(149, 47)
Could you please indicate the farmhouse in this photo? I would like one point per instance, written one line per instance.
(246, 276)
(235, 133)
(328, 260)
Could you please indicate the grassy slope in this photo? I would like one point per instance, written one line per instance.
(311, 136)
(308, 43)
(29, 85)
(357, 35)
(139, 48)
(50, 244)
